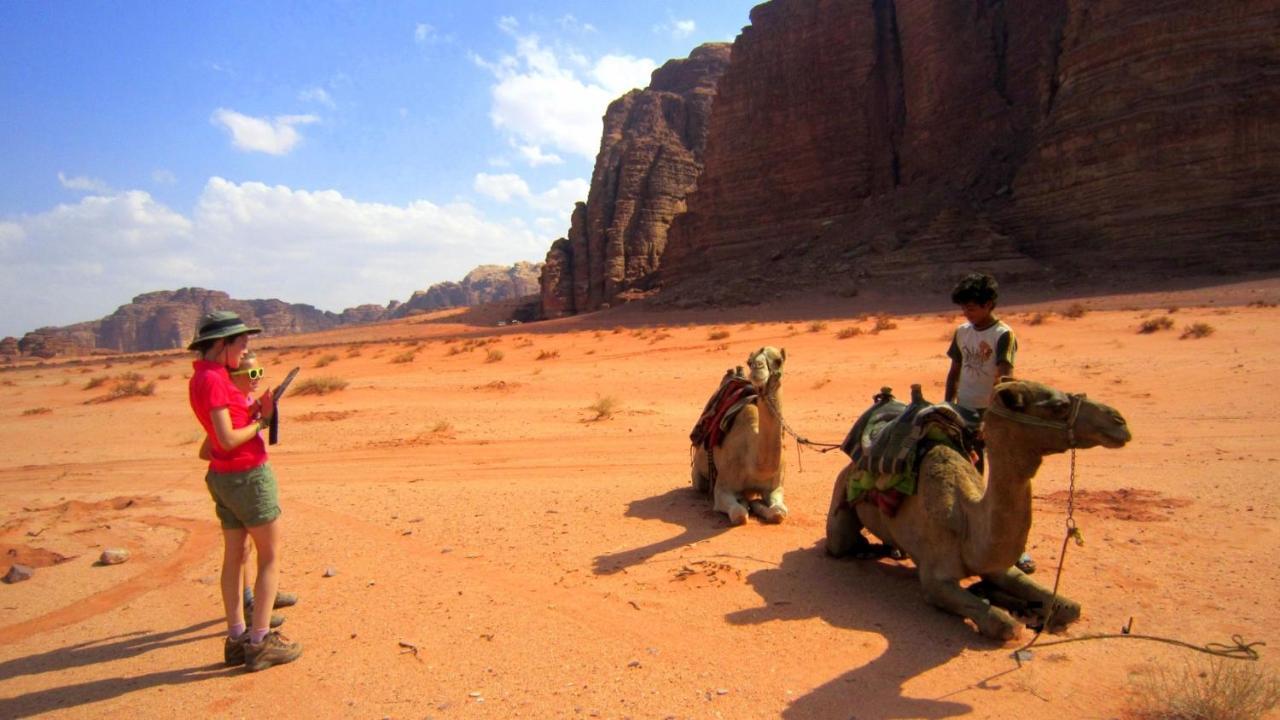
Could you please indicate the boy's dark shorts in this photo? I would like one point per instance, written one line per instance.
(244, 499)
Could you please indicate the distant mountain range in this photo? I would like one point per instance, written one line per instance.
(166, 319)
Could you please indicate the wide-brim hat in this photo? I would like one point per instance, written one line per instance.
(220, 324)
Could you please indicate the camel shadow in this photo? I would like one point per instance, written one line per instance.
(880, 597)
(117, 647)
(681, 506)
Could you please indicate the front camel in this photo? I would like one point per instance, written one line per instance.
(957, 526)
(747, 477)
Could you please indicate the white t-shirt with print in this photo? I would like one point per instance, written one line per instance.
(979, 353)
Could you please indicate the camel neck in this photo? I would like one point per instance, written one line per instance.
(769, 453)
(1006, 504)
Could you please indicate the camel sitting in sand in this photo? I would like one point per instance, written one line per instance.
(956, 526)
(748, 463)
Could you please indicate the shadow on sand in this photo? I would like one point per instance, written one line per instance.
(883, 598)
(681, 506)
(118, 647)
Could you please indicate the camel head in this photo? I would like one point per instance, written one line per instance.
(1051, 420)
(764, 367)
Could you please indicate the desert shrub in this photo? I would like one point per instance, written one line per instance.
(883, 323)
(318, 386)
(1075, 311)
(441, 427)
(721, 346)
(1039, 318)
(37, 411)
(163, 376)
(160, 361)
(547, 354)
(353, 352)
(817, 326)
(494, 355)
(821, 383)
(659, 337)
(603, 407)
(129, 377)
(718, 335)
(1195, 331)
(326, 360)
(1164, 322)
(618, 329)
(1219, 690)
(407, 356)
(848, 332)
(1262, 304)
(96, 382)
(129, 388)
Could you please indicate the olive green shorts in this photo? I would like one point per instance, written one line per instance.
(244, 499)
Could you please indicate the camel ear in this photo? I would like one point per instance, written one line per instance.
(1005, 379)
(783, 353)
(1012, 398)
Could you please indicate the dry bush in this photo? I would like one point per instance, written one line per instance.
(1075, 311)
(37, 411)
(718, 335)
(848, 332)
(127, 386)
(407, 356)
(129, 377)
(353, 352)
(547, 354)
(441, 427)
(817, 326)
(618, 329)
(1219, 690)
(883, 323)
(1173, 309)
(821, 383)
(1039, 318)
(592, 351)
(318, 386)
(1163, 322)
(1262, 304)
(160, 361)
(96, 382)
(326, 360)
(604, 408)
(493, 356)
(721, 346)
(163, 376)
(1196, 331)
(659, 337)
(524, 343)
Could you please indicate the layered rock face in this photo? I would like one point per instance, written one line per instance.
(485, 284)
(650, 157)
(909, 139)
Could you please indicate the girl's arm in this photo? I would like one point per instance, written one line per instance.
(206, 452)
(228, 437)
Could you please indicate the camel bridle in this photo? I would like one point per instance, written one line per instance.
(1069, 427)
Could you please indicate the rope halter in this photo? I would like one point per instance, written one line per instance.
(1077, 399)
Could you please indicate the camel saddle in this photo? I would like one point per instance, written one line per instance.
(734, 393)
(888, 440)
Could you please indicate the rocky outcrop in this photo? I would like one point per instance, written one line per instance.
(9, 348)
(901, 140)
(650, 157)
(485, 284)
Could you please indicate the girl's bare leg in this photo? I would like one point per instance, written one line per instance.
(266, 538)
(233, 542)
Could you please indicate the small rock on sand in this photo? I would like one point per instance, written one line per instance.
(330, 572)
(113, 556)
(17, 573)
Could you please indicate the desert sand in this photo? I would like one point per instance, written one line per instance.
(499, 551)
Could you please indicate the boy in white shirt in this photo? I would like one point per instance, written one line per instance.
(982, 351)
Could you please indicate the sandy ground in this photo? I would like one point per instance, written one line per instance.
(545, 564)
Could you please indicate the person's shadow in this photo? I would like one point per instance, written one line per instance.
(681, 506)
(881, 597)
(98, 651)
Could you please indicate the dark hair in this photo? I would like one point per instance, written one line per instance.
(978, 288)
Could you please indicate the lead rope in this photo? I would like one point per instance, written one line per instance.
(800, 439)
(1238, 649)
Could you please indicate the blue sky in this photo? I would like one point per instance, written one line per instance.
(328, 153)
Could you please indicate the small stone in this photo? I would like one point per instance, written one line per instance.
(474, 694)
(330, 572)
(113, 556)
(18, 573)
(722, 691)
(633, 664)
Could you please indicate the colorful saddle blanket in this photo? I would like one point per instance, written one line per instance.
(887, 442)
(735, 392)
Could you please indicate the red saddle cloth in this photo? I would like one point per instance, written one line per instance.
(712, 424)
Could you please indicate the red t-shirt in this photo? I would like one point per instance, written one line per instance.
(211, 388)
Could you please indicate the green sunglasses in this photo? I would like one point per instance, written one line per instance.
(253, 373)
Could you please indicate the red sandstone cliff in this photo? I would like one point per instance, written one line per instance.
(650, 157)
(485, 284)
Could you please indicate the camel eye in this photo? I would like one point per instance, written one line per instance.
(1055, 404)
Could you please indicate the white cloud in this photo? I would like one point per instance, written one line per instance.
(677, 29)
(533, 155)
(274, 137)
(161, 176)
(503, 188)
(569, 23)
(316, 95)
(538, 101)
(425, 34)
(79, 261)
(83, 184)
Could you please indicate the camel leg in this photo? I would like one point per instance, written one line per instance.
(1018, 584)
(947, 594)
(701, 472)
(844, 529)
(775, 511)
(727, 502)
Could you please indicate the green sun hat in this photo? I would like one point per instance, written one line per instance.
(220, 324)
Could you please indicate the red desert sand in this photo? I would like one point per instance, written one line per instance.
(509, 518)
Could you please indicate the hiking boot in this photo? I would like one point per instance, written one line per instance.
(275, 649)
(233, 650)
